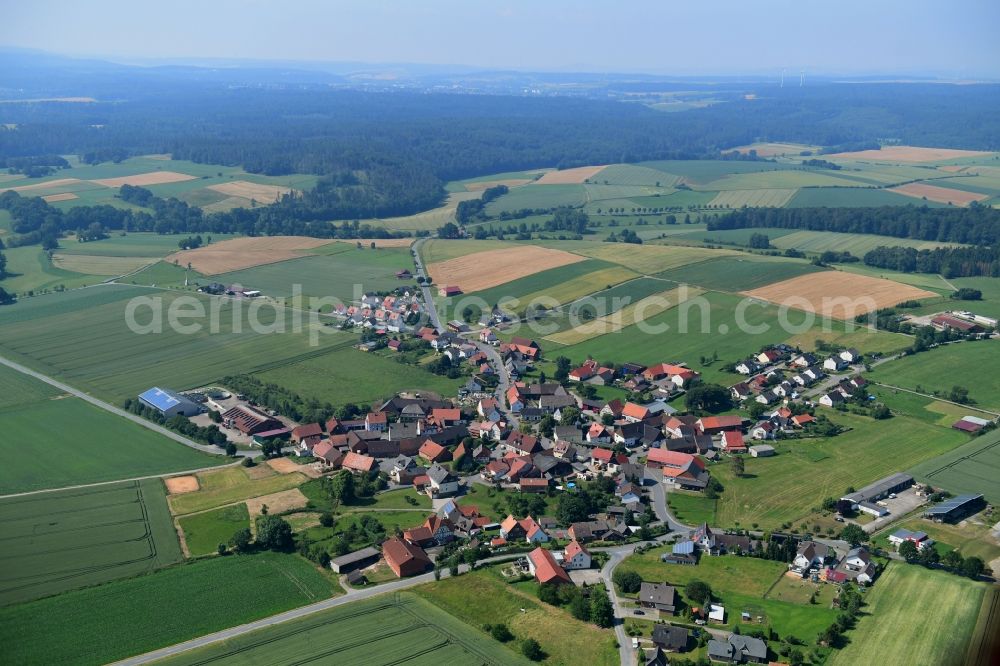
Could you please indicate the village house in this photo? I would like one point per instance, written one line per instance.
(738, 649)
(404, 558)
(713, 425)
(527, 528)
(918, 539)
(543, 566)
(732, 442)
(434, 452)
(658, 596)
(441, 482)
(679, 469)
(576, 557)
(810, 555)
(670, 638)
(358, 463)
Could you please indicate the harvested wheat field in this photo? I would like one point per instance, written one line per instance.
(837, 294)
(143, 179)
(287, 466)
(100, 265)
(939, 194)
(248, 190)
(65, 196)
(239, 253)
(570, 176)
(951, 168)
(483, 270)
(182, 484)
(43, 185)
(486, 184)
(908, 154)
(286, 500)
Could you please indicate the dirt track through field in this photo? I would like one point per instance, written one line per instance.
(482, 270)
(569, 176)
(837, 294)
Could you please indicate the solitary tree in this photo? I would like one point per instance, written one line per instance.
(738, 466)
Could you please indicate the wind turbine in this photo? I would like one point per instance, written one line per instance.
(802, 77)
(782, 78)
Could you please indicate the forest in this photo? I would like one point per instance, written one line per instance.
(976, 225)
(383, 153)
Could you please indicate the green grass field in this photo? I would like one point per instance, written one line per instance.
(53, 440)
(346, 275)
(105, 357)
(135, 244)
(59, 541)
(971, 538)
(348, 375)
(163, 608)
(971, 468)
(781, 179)
(738, 273)
(364, 633)
(633, 174)
(791, 485)
(897, 621)
(538, 196)
(30, 271)
(482, 598)
(990, 305)
(703, 171)
(931, 281)
(975, 365)
(763, 198)
(692, 508)
(164, 274)
(203, 532)
(645, 259)
(856, 244)
(741, 583)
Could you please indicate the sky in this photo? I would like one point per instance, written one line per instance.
(956, 38)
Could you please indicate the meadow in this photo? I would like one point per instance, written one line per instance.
(703, 171)
(366, 633)
(30, 271)
(738, 273)
(645, 259)
(349, 375)
(971, 538)
(441, 249)
(971, 468)
(135, 244)
(59, 541)
(634, 175)
(203, 532)
(692, 508)
(779, 179)
(159, 609)
(105, 357)
(346, 275)
(942, 368)
(538, 196)
(742, 584)
(228, 486)
(791, 485)
(39, 451)
(897, 621)
(482, 598)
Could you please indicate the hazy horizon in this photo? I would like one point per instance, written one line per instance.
(714, 38)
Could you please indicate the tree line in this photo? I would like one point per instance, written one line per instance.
(975, 225)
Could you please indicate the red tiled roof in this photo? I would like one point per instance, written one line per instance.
(573, 549)
(724, 421)
(604, 455)
(547, 570)
(433, 451)
(635, 411)
(358, 463)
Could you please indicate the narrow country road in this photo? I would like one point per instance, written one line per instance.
(494, 356)
(108, 407)
(658, 499)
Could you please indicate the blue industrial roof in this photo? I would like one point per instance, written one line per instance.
(951, 504)
(683, 548)
(162, 399)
